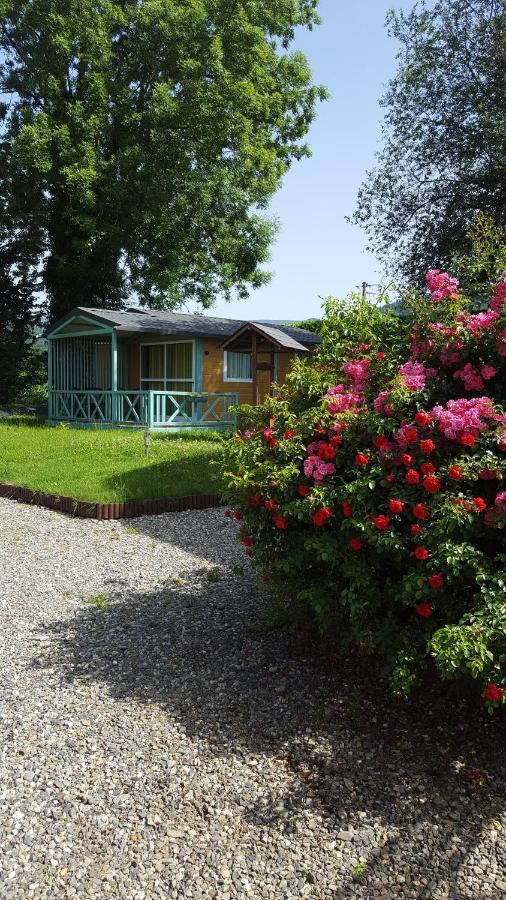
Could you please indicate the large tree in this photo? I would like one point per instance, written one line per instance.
(443, 156)
(142, 139)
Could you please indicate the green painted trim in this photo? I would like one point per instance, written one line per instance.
(91, 333)
(114, 364)
(199, 364)
(101, 328)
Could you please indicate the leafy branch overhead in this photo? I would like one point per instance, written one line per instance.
(141, 143)
(443, 154)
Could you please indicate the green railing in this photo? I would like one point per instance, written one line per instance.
(148, 409)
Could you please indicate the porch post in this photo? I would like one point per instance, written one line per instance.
(114, 373)
(254, 372)
(49, 378)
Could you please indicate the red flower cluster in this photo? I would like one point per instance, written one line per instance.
(422, 553)
(355, 544)
(396, 506)
(321, 516)
(361, 459)
(382, 522)
(412, 476)
(493, 693)
(424, 609)
(435, 582)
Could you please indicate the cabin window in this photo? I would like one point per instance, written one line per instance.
(167, 367)
(236, 366)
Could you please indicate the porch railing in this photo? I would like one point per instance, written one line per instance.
(151, 409)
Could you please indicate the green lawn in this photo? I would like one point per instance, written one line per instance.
(107, 466)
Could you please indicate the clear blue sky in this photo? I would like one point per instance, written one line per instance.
(317, 252)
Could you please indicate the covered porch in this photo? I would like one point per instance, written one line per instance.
(88, 383)
(271, 352)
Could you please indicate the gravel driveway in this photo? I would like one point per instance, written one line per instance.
(159, 739)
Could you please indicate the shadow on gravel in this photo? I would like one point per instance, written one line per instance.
(354, 754)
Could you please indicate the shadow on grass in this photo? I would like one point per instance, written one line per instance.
(354, 754)
(177, 476)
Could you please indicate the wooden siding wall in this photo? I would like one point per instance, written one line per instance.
(212, 379)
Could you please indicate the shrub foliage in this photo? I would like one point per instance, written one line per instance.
(370, 490)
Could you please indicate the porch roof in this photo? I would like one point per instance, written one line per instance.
(144, 321)
(241, 339)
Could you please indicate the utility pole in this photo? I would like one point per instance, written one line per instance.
(364, 290)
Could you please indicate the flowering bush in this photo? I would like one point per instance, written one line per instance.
(370, 491)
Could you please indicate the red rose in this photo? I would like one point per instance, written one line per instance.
(361, 459)
(346, 508)
(455, 473)
(411, 435)
(380, 355)
(227, 512)
(237, 514)
(247, 542)
(380, 442)
(412, 476)
(389, 479)
(318, 429)
(336, 440)
(435, 582)
(415, 529)
(326, 451)
(467, 440)
(479, 503)
(289, 433)
(382, 522)
(272, 443)
(396, 506)
(321, 516)
(421, 553)
(422, 418)
(427, 446)
(279, 521)
(493, 693)
(270, 504)
(303, 490)
(267, 433)
(406, 459)
(424, 610)
(355, 544)
(431, 484)
(420, 511)
(427, 468)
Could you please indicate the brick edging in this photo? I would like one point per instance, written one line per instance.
(127, 510)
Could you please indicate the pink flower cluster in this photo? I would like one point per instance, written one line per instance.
(441, 285)
(357, 370)
(480, 321)
(415, 374)
(381, 404)
(470, 377)
(317, 468)
(500, 343)
(463, 416)
(341, 400)
(497, 301)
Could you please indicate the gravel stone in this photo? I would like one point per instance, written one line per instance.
(161, 739)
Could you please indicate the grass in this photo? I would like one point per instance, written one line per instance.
(106, 466)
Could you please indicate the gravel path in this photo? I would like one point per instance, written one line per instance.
(159, 740)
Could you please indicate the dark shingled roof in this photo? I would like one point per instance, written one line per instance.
(154, 321)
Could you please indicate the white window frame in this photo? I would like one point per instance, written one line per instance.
(225, 374)
(191, 381)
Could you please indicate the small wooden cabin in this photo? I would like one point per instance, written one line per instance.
(160, 370)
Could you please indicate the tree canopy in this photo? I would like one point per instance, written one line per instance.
(141, 141)
(443, 155)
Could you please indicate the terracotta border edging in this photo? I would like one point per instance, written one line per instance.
(127, 510)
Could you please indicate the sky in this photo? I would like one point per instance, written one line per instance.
(317, 254)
